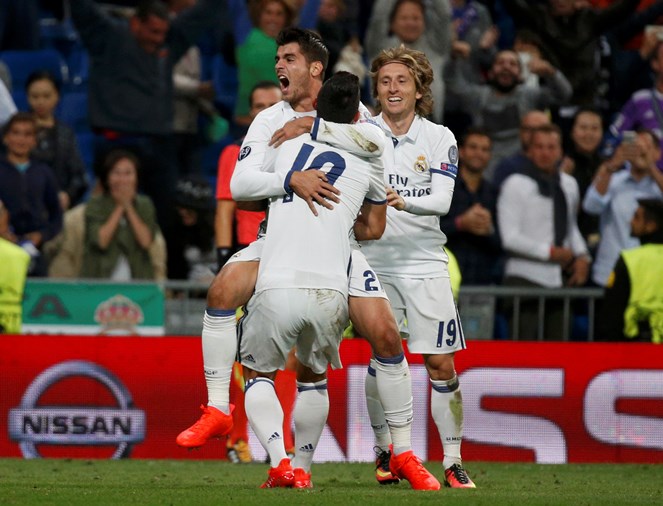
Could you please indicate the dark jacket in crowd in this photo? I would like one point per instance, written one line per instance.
(479, 257)
(31, 197)
(131, 91)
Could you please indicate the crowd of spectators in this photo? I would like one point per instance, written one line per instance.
(557, 140)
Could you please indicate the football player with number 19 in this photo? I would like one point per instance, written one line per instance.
(420, 172)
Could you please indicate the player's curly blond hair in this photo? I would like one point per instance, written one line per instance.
(421, 71)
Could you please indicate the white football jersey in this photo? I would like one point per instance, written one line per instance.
(421, 166)
(306, 251)
(256, 155)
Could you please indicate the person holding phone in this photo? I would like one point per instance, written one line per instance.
(630, 174)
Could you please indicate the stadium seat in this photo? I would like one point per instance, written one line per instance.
(22, 63)
(79, 64)
(20, 99)
(86, 146)
(73, 110)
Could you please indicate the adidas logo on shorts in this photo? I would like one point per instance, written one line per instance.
(307, 448)
(249, 358)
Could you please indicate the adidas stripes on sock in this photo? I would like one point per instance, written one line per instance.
(447, 411)
(311, 410)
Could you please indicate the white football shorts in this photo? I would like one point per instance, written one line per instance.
(426, 314)
(363, 280)
(278, 319)
(252, 253)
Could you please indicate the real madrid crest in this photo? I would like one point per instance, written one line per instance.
(421, 165)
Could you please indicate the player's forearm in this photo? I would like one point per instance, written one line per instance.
(246, 185)
(361, 139)
(371, 222)
(437, 202)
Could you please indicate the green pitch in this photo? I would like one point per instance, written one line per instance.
(167, 482)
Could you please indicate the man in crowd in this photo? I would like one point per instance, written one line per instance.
(471, 225)
(645, 107)
(632, 308)
(614, 193)
(499, 105)
(516, 161)
(538, 223)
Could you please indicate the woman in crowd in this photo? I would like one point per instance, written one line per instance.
(255, 48)
(425, 26)
(582, 160)
(56, 142)
(120, 224)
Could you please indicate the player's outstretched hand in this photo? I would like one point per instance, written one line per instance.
(290, 130)
(312, 186)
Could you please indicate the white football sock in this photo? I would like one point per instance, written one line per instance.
(446, 406)
(265, 415)
(219, 340)
(394, 384)
(375, 410)
(310, 415)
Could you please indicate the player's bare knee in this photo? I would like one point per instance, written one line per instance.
(387, 342)
(233, 285)
(440, 367)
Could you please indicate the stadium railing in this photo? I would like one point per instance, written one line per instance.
(482, 308)
(479, 307)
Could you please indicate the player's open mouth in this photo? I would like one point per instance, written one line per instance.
(284, 83)
(394, 99)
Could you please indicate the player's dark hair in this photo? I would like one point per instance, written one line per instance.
(338, 99)
(310, 44)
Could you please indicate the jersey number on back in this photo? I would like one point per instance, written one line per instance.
(327, 157)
